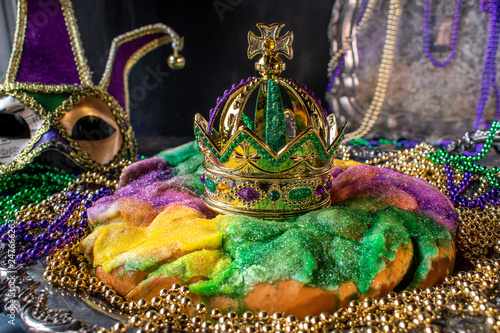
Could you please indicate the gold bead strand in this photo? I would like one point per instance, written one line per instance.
(346, 44)
(383, 75)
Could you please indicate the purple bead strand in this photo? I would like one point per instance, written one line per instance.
(490, 68)
(336, 73)
(341, 63)
(57, 233)
(455, 191)
(427, 34)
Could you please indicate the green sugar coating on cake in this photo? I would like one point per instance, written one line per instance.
(186, 161)
(179, 154)
(427, 235)
(148, 265)
(323, 248)
(199, 263)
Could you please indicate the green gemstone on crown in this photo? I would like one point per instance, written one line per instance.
(300, 194)
(210, 185)
(274, 195)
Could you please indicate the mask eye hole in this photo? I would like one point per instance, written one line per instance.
(14, 127)
(91, 128)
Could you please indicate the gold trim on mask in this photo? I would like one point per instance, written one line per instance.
(77, 93)
(134, 34)
(171, 36)
(76, 43)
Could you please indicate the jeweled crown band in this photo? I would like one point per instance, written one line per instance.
(269, 198)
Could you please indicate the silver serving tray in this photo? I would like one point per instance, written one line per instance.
(40, 307)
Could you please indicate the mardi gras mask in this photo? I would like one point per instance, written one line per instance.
(50, 110)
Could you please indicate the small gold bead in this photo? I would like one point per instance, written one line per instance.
(184, 290)
(135, 321)
(201, 309)
(263, 315)
(175, 288)
(156, 301)
(119, 327)
(215, 314)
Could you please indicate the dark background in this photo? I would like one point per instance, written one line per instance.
(215, 34)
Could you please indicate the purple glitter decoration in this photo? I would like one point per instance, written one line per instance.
(146, 172)
(150, 180)
(427, 34)
(47, 56)
(223, 99)
(375, 181)
(488, 79)
(248, 194)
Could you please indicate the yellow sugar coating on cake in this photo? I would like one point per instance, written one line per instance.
(344, 164)
(176, 231)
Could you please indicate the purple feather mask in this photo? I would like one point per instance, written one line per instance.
(50, 110)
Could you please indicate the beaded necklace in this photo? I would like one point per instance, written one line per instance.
(383, 142)
(427, 34)
(61, 220)
(30, 185)
(173, 310)
(375, 106)
(340, 64)
(467, 163)
(43, 237)
(489, 80)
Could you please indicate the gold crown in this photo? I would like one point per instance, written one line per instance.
(279, 164)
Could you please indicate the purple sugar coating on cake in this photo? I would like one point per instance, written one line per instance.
(163, 193)
(157, 193)
(371, 180)
(145, 172)
(151, 180)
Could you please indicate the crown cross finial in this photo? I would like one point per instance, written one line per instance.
(270, 45)
(270, 42)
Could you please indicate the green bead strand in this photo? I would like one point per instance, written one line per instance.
(33, 184)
